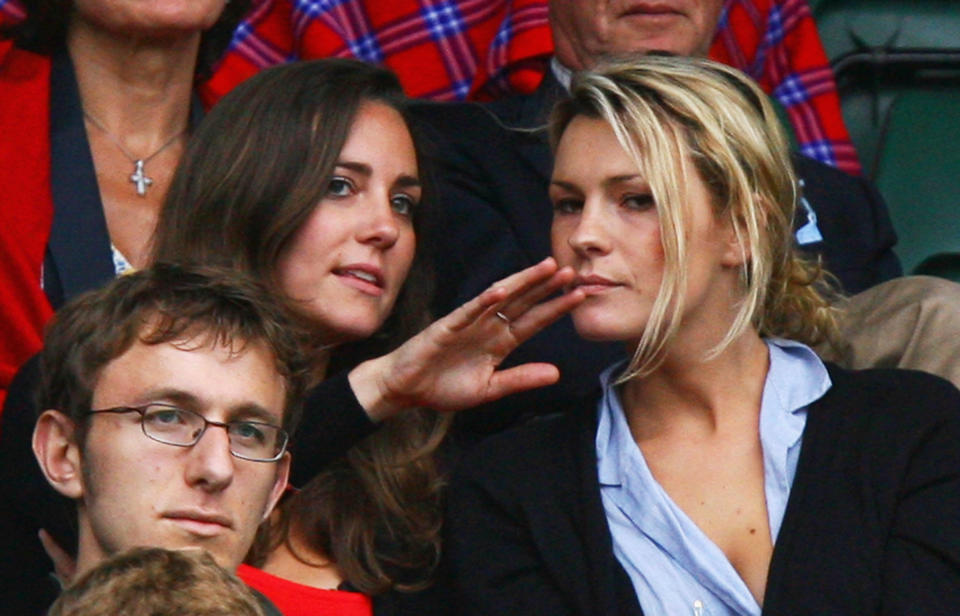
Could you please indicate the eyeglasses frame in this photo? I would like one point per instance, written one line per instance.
(142, 410)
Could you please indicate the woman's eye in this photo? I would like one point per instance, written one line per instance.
(339, 187)
(638, 202)
(567, 206)
(403, 204)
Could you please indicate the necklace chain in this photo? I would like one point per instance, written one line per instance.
(138, 176)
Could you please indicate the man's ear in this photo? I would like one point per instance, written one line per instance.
(279, 485)
(58, 453)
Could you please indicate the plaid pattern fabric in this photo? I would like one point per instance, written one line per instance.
(776, 42)
(482, 49)
(10, 11)
(441, 49)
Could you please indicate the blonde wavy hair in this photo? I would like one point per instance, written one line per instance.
(665, 110)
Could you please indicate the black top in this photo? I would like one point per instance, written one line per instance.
(872, 524)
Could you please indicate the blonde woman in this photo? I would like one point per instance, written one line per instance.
(725, 469)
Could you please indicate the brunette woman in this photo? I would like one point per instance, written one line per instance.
(307, 176)
(724, 469)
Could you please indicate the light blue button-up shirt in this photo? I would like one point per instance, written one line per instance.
(675, 568)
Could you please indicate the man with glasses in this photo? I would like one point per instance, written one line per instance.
(170, 396)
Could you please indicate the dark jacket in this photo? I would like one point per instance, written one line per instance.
(872, 525)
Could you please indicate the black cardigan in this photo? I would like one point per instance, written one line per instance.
(872, 524)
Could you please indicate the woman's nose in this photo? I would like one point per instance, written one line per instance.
(589, 235)
(380, 226)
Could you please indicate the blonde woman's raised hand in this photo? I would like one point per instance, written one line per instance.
(454, 363)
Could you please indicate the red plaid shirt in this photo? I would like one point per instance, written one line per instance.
(482, 49)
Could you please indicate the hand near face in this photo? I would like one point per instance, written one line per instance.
(453, 364)
(64, 565)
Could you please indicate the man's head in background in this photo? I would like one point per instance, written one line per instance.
(169, 397)
(586, 30)
(157, 582)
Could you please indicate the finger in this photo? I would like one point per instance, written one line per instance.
(474, 309)
(521, 378)
(63, 564)
(513, 306)
(511, 285)
(545, 313)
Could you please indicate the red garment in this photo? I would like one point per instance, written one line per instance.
(26, 205)
(776, 42)
(294, 599)
(482, 49)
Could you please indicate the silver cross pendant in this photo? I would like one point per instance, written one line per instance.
(141, 180)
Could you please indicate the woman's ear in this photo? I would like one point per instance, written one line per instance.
(58, 453)
(736, 244)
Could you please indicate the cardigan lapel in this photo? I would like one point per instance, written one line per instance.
(79, 249)
(611, 591)
(806, 552)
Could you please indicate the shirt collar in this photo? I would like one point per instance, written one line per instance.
(613, 434)
(561, 72)
(795, 379)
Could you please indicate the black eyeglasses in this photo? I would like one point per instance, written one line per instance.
(249, 440)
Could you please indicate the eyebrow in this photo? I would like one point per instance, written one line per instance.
(607, 182)
(361, 168)
(178, 397)
(404, 181)
(254, 412)
(620, 179)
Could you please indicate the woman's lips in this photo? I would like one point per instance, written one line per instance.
(364, 278)
(593, 284)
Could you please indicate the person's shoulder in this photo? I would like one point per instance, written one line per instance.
(5, 46)
(517, 115)
(460, 134)
(453, 116)
(815, 173)
(18, 64)
(269, 609)
(547, 441)
(520, 110)
(893, 399)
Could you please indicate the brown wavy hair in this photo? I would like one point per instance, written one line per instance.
(165, 303)
(252, 174)
(680, 108)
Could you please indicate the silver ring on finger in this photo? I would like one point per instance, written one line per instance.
(503, 318)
